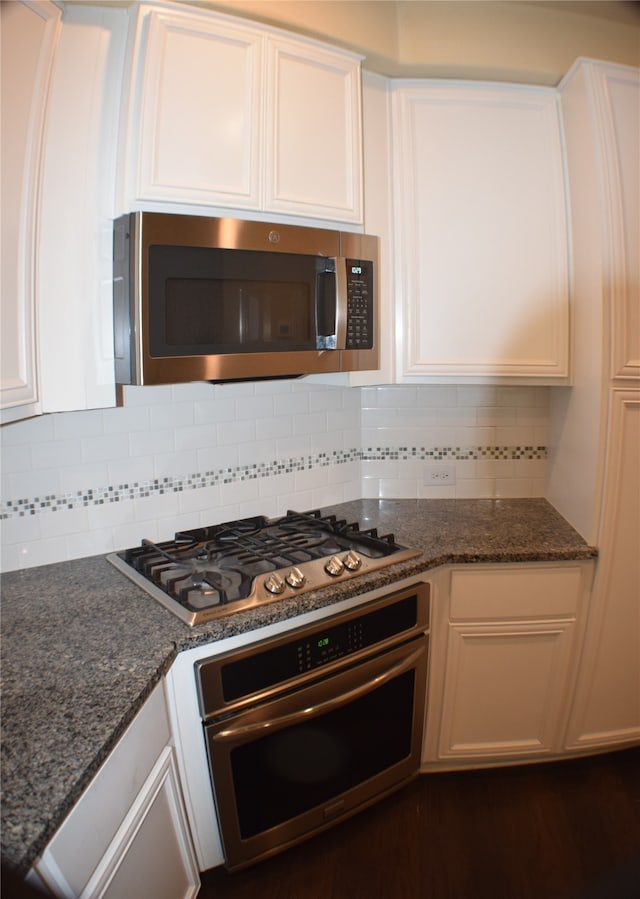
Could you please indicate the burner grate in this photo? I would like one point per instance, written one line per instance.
(221, 568)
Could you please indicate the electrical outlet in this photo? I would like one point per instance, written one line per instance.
(440, 475)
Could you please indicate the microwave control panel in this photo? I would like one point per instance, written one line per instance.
(359, 304)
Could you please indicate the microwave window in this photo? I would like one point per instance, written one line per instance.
(209, 301)
(237, 316)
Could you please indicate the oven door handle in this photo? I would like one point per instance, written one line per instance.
(235, 733)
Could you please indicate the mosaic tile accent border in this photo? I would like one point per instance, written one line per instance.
(98, 496)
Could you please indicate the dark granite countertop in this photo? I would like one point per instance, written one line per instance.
(82, 647)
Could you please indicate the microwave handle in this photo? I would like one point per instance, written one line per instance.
(336, 267)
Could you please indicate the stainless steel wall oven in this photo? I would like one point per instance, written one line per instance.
(313, 726)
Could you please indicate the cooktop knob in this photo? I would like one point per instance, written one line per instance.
(334, 566)
(274, 584)
(295, 578)
(352, 560)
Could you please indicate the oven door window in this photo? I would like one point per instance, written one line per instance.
(281, 776)
(215, 301)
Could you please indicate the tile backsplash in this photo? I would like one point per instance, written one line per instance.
(82, 483)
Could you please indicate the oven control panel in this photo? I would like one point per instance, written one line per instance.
(228, 680)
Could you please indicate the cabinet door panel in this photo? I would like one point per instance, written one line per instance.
(482, 232)
(157, 860)
(313, 161)
(607, 706)
(504, 689)
(201, 122)
(29, 36)
(620, 100)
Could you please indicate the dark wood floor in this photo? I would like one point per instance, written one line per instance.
(567, 830)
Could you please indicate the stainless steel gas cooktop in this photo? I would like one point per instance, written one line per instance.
(212, 571)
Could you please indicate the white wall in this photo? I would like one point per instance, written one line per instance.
(76, 484)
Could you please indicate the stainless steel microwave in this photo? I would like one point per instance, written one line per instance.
(212, 299)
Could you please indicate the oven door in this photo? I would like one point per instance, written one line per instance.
(293, 766)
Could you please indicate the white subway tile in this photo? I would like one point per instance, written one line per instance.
(475, 488)
(28, 484)
(250, 408)
(55, 455)
(149, 508)
(437, 397)
(169, 465)
(370, 488)
(310, 423)
(514, 436)
(235, 432)
(15, 458)
(122, 420)
(148, 396)
(195, 437)
(64, 521)
(426, 491)
(104, 447)
(176, 415)
(310, 479)
(148, 443)
(74, 425)
(398, 488)
(200, 500)
(255, 453)
(276, 485)
(28, 432)
(206, 411)
(273, 427)
(477, 395)
(513, 487)
(215, 458)
(84, 477)
(328, 400)
(395, 397)
(239, 492)
(42, 552)
(291, 404)
(130, 471)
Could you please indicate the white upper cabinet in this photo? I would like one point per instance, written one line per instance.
(29, 37)
(313, 131)
(195, 122)
(616, 107)
(480, 221)
(229, 114)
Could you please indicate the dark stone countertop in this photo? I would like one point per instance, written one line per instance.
(82, 647)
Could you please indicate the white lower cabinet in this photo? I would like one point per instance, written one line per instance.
(502, 679)
(130, 823)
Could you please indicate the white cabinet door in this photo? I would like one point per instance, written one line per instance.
(29, 33)
(504, 654)
(153, 858)
(617, 95)
(481, 227)
(314, 131)
(195, 122)
(504, 689)
(607, 706)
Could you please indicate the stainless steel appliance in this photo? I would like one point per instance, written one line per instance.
(210, 299)
(309, 728)
(211, 571)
